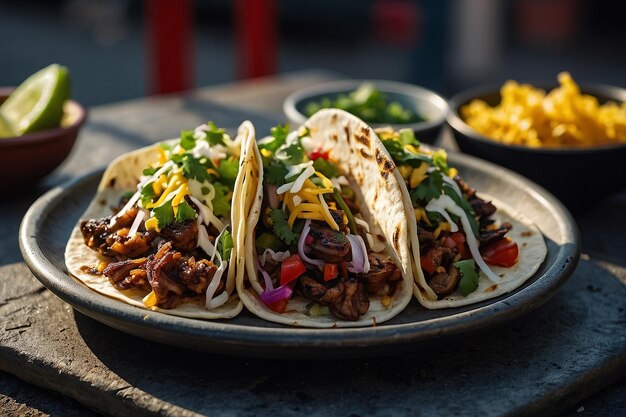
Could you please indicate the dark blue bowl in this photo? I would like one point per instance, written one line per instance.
(579, 177)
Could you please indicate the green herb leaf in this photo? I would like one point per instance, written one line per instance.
(403, 157)
(187, 140)
(185, 212)
(147, 194)
(228, 170)
(221, 201)
(281, 227)
(215, 135)
(291, 154)
(196, 168)
(440, 160)
(166, 146)
(407, 137)
(279, 133)
(326, 167)
(469, 276)
(225, 245)
(274, 173)
(164, 214)
(429, 189)
(150, 171)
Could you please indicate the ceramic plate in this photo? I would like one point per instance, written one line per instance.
(48, 223)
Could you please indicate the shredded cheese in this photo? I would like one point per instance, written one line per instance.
(150, 300)
(418, 175)
(442, 226)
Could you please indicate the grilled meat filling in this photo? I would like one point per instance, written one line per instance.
(328, 244)
(170, 275)
(127, 274)
(380, 274)
(346, 299)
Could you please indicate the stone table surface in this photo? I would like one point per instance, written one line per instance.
(557, 360)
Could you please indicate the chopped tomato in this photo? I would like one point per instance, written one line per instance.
(290, 269)
(502, 252)
(330, 271)
(449, 243)
(319, 154)
(427, 262)
(279, 306)
(461, 245)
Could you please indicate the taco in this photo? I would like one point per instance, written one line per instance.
(326, 243)
(159, 232)
(465, 247)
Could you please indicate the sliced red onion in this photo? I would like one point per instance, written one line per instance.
(305, 232)
(360, 263)
(266, 276)
(273, 296)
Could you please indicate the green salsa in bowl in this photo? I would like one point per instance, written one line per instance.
(378, 103)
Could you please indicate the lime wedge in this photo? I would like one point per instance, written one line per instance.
(38, 102)
(6, 130)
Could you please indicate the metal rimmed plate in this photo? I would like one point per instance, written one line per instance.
(48, 223)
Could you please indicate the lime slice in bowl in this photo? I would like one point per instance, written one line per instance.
(37, 103)
(6, 130)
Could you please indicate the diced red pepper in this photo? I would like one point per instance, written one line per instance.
(290, 269)
(279, 306)
(330, 271)
(502, 252)
(449, 243)
(427, 262)
(461, 245)
(319, 154)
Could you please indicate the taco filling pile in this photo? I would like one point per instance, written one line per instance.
(459, 238)
(311, 239)
(170, 236)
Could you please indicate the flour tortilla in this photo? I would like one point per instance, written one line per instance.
(121, 176)
(358, 153)
(532, 252)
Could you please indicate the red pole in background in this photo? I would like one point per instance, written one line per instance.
(169, 45)
(256, 37)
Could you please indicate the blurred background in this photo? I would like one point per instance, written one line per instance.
(124, 49)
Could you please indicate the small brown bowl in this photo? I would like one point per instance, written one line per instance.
(26, 159)
(579, 177)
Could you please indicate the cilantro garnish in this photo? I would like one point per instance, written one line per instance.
(281, 227)
(185, 212)
(150, 171)
(407, 137)
(291, 154)
(403, 157)
(194, 168)
(469, 276)
(225, 245)
(274, 173)
(147, 194)
(326, 168)
(440, 160)
(215, 135)
(429, 189)
(279, 133)
(221, 201)
(228, 169)
(187, 140)
(164, 214)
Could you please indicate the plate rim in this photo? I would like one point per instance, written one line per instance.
(214, 334)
